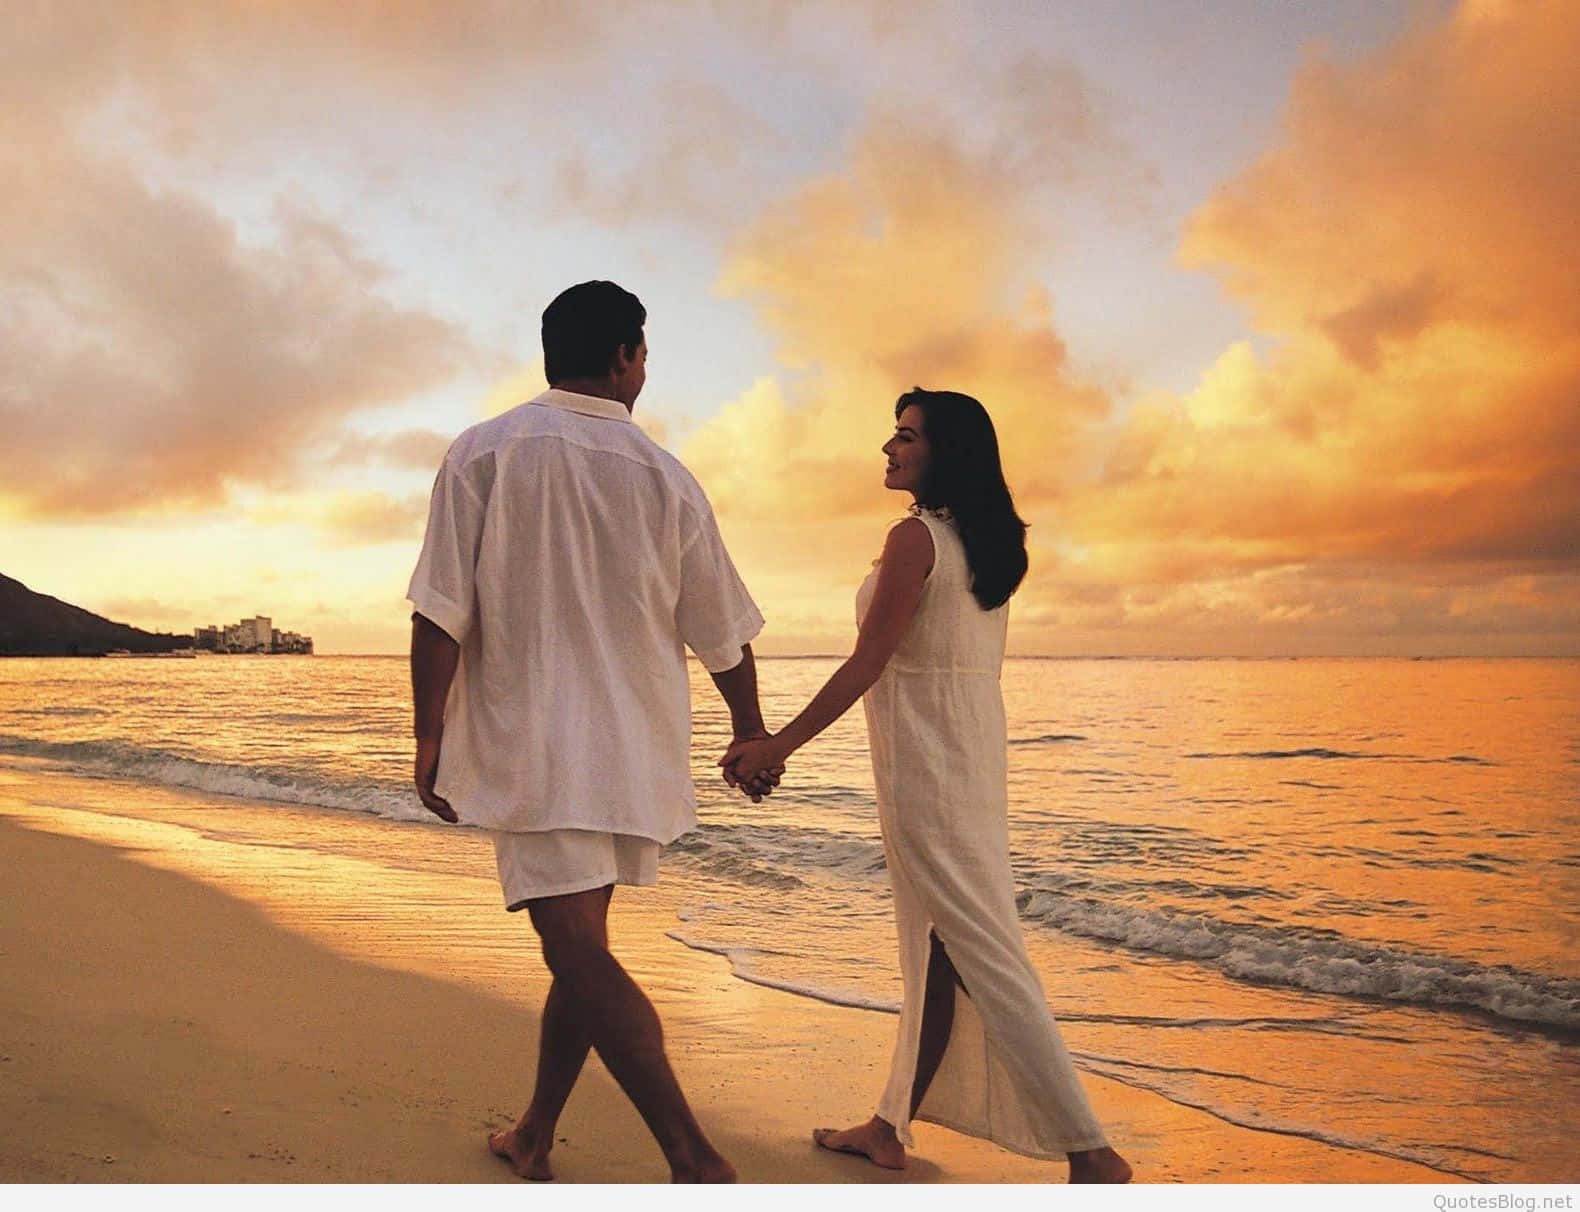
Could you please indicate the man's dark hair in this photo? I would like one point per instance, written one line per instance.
(584, 326)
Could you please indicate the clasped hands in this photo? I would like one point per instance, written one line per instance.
(754, 765)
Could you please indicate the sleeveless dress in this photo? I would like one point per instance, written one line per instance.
(935, 723)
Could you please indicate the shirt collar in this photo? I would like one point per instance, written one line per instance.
(589, 406)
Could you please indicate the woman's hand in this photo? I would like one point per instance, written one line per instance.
(755, 763)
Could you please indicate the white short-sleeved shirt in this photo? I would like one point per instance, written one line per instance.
(574, 560)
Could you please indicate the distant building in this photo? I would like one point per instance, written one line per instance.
(262, 633)
(257, 634)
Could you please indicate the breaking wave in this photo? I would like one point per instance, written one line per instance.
(1288, 958)
(393, 801)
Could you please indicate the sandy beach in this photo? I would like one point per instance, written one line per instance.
(179, 1006)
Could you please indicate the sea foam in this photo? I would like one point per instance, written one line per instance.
(1289, 958)
(120, 759)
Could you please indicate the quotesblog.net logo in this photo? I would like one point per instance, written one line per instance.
(1506, 1201)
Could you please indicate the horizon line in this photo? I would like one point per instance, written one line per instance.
(1153, 656)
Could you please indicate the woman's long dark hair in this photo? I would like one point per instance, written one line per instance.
(966, 477)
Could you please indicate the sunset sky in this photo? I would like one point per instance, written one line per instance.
(1275, 305)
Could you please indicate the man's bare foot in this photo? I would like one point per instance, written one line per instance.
(528, 1158)
(1099, 1166)
(875, 1140)
(711, 1169)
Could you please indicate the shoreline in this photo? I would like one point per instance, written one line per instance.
(225, 1006)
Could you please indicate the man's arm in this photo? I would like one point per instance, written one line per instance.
(738, 686)
(434, 656)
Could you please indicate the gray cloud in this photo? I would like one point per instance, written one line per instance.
(411, 449)
(152, 358)
(1387, 314)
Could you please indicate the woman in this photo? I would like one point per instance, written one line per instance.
(978, 1049)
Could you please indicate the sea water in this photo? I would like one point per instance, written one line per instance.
(1331, 898)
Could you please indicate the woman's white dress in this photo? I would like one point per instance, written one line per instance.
(935, 722)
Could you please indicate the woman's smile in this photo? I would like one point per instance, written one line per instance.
(907, 453)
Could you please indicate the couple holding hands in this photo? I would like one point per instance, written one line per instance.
(568, 563)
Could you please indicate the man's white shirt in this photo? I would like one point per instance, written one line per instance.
(574, 560)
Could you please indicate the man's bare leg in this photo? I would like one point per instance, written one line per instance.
(623, 1027)
(563, 1044)
(562, 1050)
(877, 1140)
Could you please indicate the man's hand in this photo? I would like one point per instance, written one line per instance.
(427, 770)
(738, 686)
(753, 764)
(434, 657)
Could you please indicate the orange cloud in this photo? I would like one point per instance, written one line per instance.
(1443, 167)
(366, 519)
(1409, 244)
(348, 519)
(1400, 460)
(903, 269)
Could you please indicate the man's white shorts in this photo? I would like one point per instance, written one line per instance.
(557, 862)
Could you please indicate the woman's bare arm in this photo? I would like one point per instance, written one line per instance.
(902, 571)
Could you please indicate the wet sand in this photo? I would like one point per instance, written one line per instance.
(234, 1006)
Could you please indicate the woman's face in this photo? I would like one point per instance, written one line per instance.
(908, 453)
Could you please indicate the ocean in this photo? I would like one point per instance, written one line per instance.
(1337, 899)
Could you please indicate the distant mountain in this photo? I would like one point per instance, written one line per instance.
(34, 624)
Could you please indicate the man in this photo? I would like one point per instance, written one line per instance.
(568, 562)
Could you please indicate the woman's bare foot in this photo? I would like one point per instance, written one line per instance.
(1099, 1166)
(875, 1140)
(527, 1157)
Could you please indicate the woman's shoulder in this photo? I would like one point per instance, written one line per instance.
(910, 539)
(912, 547)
